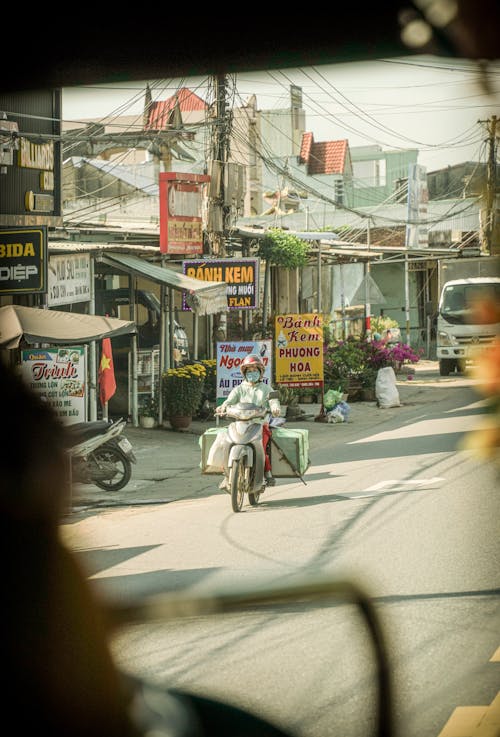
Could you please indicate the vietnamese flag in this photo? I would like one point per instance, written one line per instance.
(107, 383)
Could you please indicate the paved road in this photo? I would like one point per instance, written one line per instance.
(168, 469)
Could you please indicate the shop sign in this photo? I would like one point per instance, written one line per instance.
(68, 279)
(299, 350)
(240, 274)
(181, 229)
(23, 260)
(58, 375)
(229, 358)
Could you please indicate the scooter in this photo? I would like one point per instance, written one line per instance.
(99, 455)
(245, 458)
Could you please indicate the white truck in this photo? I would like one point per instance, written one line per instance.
(460, 331)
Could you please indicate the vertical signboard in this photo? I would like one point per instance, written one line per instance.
(23, 260)
(299, 350)
(59, 375)
(30, 156)
(229, 358)
(417, 230)
(181, 229)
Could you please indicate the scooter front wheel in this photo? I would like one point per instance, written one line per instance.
(237, 482)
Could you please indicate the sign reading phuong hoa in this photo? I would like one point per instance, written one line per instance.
(240, 274)
(299, 350)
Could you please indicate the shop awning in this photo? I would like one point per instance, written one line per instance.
(203, 297)
(37, 325)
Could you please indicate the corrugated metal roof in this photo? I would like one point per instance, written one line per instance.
(145, 184)
(204, 297)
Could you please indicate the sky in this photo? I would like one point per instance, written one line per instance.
(434, 104)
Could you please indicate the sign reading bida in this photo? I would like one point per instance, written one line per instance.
(23, 260)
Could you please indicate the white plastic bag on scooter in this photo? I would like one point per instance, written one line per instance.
(217, 455)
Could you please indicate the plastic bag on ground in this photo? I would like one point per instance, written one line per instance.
(386, 390)
(331, 397)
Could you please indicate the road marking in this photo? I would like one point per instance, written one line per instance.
(425, 428)
(390, 486)
(390, 483)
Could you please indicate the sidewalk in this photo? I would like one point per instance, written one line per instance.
(167, 467)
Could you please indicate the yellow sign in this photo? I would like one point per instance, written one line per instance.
(299, 350)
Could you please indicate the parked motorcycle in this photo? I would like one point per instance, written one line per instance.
(100, 454)
(244, 462)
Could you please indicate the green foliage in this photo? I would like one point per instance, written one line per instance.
(183, 389)
(283, 249)
(379, 324)
(148, 406)
(359, 360)
(287, 395)
(210, 384)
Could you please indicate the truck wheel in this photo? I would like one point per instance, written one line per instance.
(445, 366)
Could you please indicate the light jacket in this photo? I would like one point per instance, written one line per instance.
(253, 394)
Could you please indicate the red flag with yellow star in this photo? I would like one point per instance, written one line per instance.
(107, 383)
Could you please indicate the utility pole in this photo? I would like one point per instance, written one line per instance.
(488, 225)
(218, 210)
(218, 201)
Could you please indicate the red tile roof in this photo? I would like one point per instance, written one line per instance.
(161, 112)
(324, 157)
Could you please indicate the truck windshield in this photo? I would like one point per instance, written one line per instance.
(460, 301)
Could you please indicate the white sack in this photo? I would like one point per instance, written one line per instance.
(386, 390)
(217, 455)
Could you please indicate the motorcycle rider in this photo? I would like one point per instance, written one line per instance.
(254, 391)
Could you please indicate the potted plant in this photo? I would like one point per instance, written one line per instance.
(288, 397)
(182, 393)
(148, 412)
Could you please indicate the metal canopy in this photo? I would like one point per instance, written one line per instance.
(203, 297)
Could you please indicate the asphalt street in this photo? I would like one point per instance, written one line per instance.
(168, 461)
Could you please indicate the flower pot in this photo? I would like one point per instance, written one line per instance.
(147, 421)
(180, 422)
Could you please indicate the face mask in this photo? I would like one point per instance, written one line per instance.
(252, 376)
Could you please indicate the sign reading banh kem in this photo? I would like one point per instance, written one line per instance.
(299, 350)
(23, 260)
(240, 274)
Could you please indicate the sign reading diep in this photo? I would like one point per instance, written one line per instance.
(299, 350)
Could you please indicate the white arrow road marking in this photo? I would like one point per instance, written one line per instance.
(390, 485)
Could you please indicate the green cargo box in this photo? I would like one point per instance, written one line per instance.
(205, 442)
(289, 452)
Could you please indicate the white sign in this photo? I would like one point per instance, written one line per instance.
(229, 358)
(417, 231)
(59, 375)
(68, 279)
